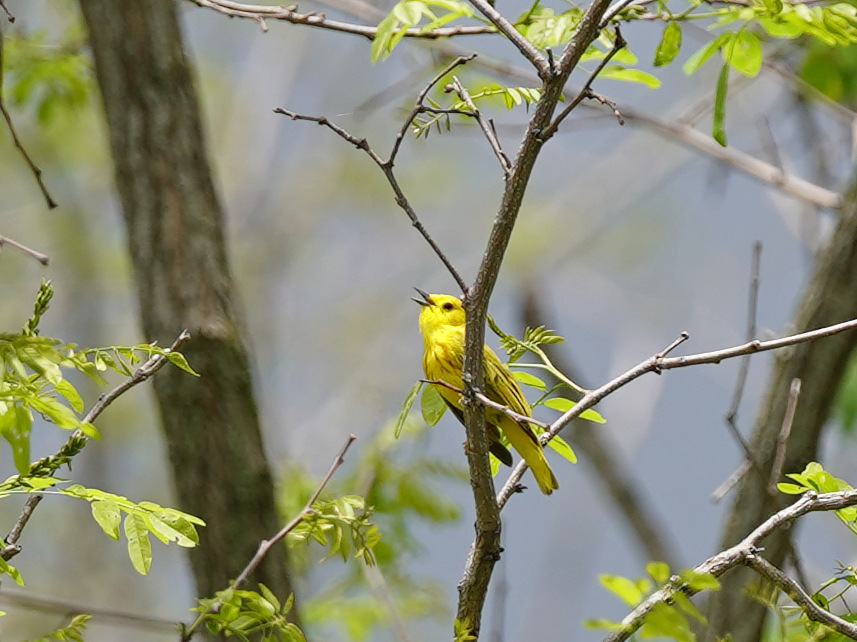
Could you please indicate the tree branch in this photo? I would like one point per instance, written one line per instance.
(657, 364)
(265, 546)
(41, 258)
(262, 13)
(34, 169)
(78, 440)
(742, 553)
(386, 166)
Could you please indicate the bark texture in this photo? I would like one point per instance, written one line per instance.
(176, 238)
(830, 297)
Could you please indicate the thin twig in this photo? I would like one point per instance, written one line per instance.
(658, 363)
(485, 401)
(9, 16)
(386, 166)
(41, 258)
(28, 600)
(266, 545)
(741, 381)
(484, 125)
(800, 596)
(79, 439)
(783, 436)
(618, 44)
(261, 13)
(34, 169)
(739, 554)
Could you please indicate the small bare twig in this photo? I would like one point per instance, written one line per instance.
(36, 171)
(783, 436)
(741, 381)
(9, 16)
(484, 125)
(41, 258)
(266, 545)
(485, 401)
(618, 44)
(78, 439)
(386, 166)
(742, 553)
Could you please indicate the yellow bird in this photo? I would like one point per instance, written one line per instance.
(442, 327)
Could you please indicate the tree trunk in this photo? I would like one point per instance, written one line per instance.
(176, 238)
(830, 297)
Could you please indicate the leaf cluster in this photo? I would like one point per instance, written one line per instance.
(815, 478)
(671, 620)
(342, 525)
(48, 78)
(249, 615)
(71, 632)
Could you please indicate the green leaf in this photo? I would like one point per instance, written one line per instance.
(718, 132)
(791, 489)
(614, 72)
(139, 546)
(659, 572)
(11, 571)
(743, 52)
(432, 405)
(698, 59)
(70, 394)
(563, 405)
(528, 380)
(559, 445)
(699, 581)
(406, 407)
(669, 45)
(108, 516)
(15, 426)
(623, 588)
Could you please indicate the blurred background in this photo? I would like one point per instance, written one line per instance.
(625, 239)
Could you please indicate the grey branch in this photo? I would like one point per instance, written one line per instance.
(746, 552)
(265, 546)
(41, 258)
(659, 363)
(261, 13)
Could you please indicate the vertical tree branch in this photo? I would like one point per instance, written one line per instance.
(486, 546)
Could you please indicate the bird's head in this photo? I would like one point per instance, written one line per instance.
(439, 310)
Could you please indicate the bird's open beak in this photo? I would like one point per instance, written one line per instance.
(426, 299)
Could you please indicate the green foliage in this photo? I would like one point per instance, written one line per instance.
(815, 478)
(789, 623)
(665, 620)
(167, 524)
(845, 406)
(48, 78)
(71, 632)
(342, 525)
(401, 491)
(249, 615)
(463, 631)
(409, 14)
(33, 381)
(833, 71)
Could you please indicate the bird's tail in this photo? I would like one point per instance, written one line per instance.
(524, 441)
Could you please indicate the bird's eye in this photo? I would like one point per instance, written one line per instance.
(447, 306)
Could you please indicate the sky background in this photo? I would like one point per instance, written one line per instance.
(626, 238)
